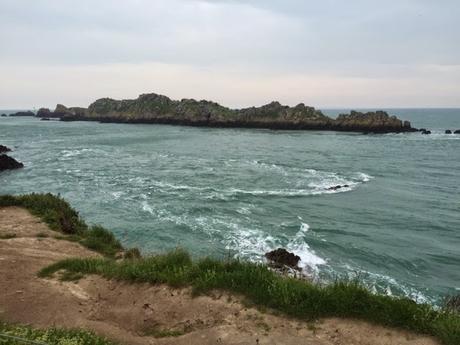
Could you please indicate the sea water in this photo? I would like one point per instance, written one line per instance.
(243, 192)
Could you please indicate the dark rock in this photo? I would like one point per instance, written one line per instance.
(426, 132)
(281, 257)
(4, 115)
(457, 131)
(4, 149)
(422, 130)
(61, 112)
(448, 131)
(45, 119)
(44, 112)
(7, 163)
(23, 113)
(334, 187)
(338, 187)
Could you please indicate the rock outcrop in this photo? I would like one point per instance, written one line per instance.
(448, 131)
(23, 113)
(457, 131)
(154, 108)
(340, 186)
(281, 257)
(3, 115)
(7, 163)
(4, 149)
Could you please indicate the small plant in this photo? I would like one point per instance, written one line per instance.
(132, 253)
(452, 304)
(7, 236)
(101, 240)
(163, 333)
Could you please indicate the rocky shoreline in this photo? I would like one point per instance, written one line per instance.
(158, 109)
(7, 162)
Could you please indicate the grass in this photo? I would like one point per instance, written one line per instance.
(7, 236)
(52, 336)
(61, 217)
(264, 288)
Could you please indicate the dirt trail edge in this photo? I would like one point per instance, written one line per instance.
(146, 314)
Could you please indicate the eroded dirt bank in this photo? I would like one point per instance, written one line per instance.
(145, 314)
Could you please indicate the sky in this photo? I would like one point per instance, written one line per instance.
(327, 54)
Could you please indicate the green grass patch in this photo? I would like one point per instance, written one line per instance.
(42, 235)
(20, 335)
(61, 217)
(264, 288)
(7, 236)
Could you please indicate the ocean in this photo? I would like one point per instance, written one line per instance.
(243, 192)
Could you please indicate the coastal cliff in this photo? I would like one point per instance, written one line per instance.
(154, 108)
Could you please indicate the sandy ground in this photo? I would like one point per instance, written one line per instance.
(135, 313)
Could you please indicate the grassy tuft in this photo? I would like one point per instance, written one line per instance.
(264, 288)
(50, 336)
(61, 217)
(101, 240)
(7, 236)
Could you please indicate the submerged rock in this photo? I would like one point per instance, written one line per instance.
(4, 149)
(281, 257)
(426, 132)
(7, 163)
(338, 187)
(457, 131)
(448, 131)
(4, 115)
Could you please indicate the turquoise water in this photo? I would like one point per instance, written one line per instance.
(243, 192)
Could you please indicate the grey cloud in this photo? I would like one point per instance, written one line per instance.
(278, 33)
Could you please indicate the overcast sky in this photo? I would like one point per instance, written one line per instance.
(329, 53)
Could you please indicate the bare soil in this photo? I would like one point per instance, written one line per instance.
(146, 314)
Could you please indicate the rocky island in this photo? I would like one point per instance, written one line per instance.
(159, 109)
(22, 113)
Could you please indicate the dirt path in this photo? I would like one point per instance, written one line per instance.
(145, 314)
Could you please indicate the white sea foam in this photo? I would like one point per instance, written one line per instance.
(117, 195)
(252, 244)
(309, 260)
(73, 153)
(364, 177)
(147, 208)
(380, 283)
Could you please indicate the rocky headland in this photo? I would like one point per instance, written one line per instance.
(159, 109)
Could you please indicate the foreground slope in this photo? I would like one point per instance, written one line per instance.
(144, 313)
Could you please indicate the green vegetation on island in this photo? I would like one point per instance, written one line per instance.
(257, 283)
(154, 108)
